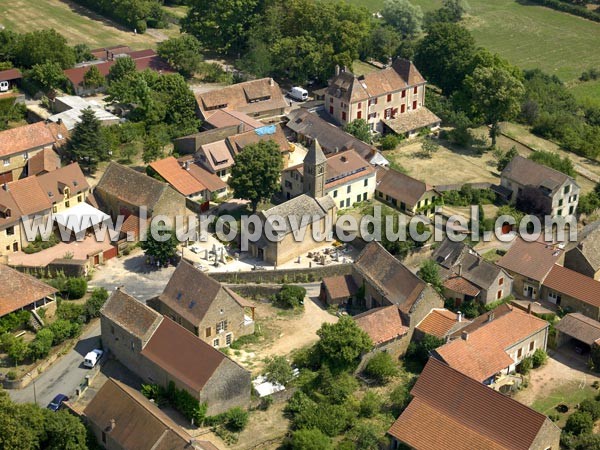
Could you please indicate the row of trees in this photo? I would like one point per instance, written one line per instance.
(135, 14)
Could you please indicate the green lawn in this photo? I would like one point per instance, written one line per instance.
(530, 36)
(77, 24)
(570, 394)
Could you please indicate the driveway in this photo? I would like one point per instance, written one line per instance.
(64, 376)
(133, 274)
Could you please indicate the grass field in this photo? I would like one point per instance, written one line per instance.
(531, 36)
(77, 24)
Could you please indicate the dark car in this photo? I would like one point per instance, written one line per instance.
(55, 404)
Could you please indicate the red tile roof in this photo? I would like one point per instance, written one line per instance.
(177, 176)
(452, 411)
(438, 322)
(212, 182)
(531, 259)
(461, 285)
(571, 283)
(382, 324)
(45, 161)
(340, 287)
(483, 353)
(29, 137)
(18, 290)
(10, 74)
(228, 117)
(29, 195)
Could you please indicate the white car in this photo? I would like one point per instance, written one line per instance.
(92, 358)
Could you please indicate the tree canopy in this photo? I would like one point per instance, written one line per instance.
(93, 78)
(360, 129)
(86, 145)
(121, 68)
(341, 344)
(47, 75)
(255, 174)
(405, 17)
(182, 53)
(160, 246)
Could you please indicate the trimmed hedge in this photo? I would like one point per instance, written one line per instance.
(570, 8)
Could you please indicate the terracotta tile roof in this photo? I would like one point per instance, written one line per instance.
(452, 411)
(461, 285)
(382, 324)
(131, 314)
(10, 74)
(580, 327)
(29, 137)
(530, 259)
(398, 284)
(138, 423)
(483, 353)
(402, 187)
(340, 287)
(439, 322)
(18, 290)
(177, 176)
(228, 117)
(190, 292)
(247, 97)
(412, 120)
(131, 186)
(57, 180)
(194, 362)
(9, 210)
(571, 283)
(481, 320)
(132, 225)
(44, 161)
(100, 53)
(212, 182)
(216, 155)
(29, 195)
(239, 141)
(529, 173)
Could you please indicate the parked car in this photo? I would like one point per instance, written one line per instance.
(57, 402)
(298, 93)
(92, 358)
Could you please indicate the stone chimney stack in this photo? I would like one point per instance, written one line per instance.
(465, 335)
(337, 70)
(458, 316)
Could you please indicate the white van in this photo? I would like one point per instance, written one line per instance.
(92, 358)
(298, 93)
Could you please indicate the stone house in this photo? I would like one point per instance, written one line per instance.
(200, 304)
(467, 276)
(159, 351)
(181, 180)
(259, 99)
(450, 410)
(123, 191)
(572, 291)
(406, 193)
(338, 290)
(121, 418)
(494, 349)
(9, 79)
(349, 178)
(393, 97)
(527, 276)
(19, 145)
(584, 257)
(540, 188)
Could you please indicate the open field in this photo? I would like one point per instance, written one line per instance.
(76, 23)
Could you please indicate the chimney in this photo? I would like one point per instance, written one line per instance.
(529, 308)
(337, 70)
(5, 187)
(186, 165)
(458, 316)
(490, 316)
(465, 335)
(336, 150)
(240, 128)
(460, 270)
(111, 425)
(59, 121)
(271, 82)
(107, 55)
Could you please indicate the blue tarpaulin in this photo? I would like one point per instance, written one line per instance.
(269, 129)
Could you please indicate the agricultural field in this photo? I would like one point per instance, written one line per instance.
(531, 36)
(76, 23)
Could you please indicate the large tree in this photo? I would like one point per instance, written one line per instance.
(405, 17)
(341, 344)
(359, 128)
(445, 55)
(493, 94)
(38, 47)
(122, 67)
(48, 75)
(86, 145)
(182, 53)
(255, 174)
(160, 246)
(93, 78)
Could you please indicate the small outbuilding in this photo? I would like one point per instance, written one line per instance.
(579, 331)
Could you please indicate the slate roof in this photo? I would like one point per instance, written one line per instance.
(483, 353)
(440, 322)
(44, 161)
(18, 290)
(315, 153)
(303, 205)
(248, 97)
(131, 314)
(177, 176)
(340, 287)
(571, 283)
(530, 259)
(32, 136)
(529, 173)
(398, 284)
(400, 186)
(131, 186)
(412, 120)
(182, 354)
(589, 247)
(190, 292)
(382, 324)
(452, 411)
(580, 327)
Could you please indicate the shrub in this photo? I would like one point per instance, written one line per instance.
(11, 375)
(311, 439)
(278, 370)
(14, 321)
(580, 422)
(95, 302)
(335, 389)
(381, 367)
(290, 297)
(591, 406)
(71, 312)
(41, 345)
(390, 141)
(75, 288)
(539, 358)
(186, 404)
(332, 420)
(236, 419)
(418, 352)
(526, 365)
(370, 404)
(62, 330)
(400, 398)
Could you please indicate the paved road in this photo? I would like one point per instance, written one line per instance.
(64, 376)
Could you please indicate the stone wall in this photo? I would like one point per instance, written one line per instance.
(300, 275)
